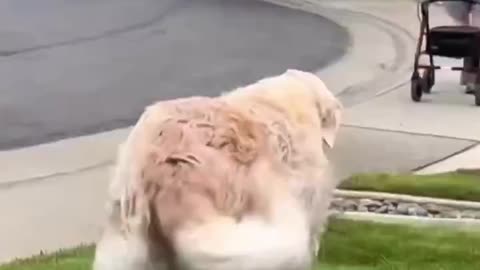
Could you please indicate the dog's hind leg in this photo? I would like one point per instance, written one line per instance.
(125, 243)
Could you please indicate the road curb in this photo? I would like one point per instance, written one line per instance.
(383, 81)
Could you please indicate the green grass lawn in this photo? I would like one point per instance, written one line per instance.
(453, 185)
(74, 259)
(353, 245)
(347, 245)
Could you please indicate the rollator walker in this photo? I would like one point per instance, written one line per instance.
(453, 41)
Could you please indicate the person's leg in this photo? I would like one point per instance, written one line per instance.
(471, 78)
(467, 77)
(460, 12)
(475, 13)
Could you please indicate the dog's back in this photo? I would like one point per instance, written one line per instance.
(220, 199)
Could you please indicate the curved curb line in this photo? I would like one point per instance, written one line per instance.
(409, 220)
(407, 198)
(397, 79)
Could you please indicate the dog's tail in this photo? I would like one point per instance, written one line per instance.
(251, 243)
(254, 242)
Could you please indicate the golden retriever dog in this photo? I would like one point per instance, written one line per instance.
(300, 112)
(234, 182)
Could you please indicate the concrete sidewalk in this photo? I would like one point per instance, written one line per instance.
(52, 194)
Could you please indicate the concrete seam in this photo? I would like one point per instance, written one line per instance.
(461, 151)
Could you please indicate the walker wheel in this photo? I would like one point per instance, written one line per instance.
(417, 88)
(428, 77)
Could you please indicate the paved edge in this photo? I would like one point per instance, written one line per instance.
(471, 224)
(406, 198)
(60, 157)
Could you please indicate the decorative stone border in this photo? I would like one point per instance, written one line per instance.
(403, 205)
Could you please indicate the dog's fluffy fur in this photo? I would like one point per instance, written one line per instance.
(235, 182)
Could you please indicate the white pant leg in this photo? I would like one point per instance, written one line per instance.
(474, 20)
(459, 11)
(475, 10)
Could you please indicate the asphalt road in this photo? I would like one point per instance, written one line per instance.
(69, 68)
